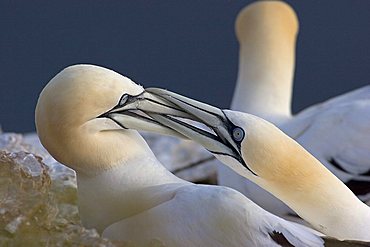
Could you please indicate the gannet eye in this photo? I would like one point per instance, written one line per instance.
(238, 134)
(123, 100)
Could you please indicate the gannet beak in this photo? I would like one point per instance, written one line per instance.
(166, 111)
(128, 116)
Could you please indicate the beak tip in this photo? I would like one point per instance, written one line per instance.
(104, 115)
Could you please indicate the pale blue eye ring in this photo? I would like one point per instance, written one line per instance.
(238, 134)
(123, 100)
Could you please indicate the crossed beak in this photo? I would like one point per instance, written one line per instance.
(165, 112)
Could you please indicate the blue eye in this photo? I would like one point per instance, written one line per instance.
(238, 134)
(123, 100)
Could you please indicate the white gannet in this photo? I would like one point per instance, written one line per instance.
(259, 151)
(123, 191)
(336, 131)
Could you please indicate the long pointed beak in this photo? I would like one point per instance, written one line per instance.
(166, 112)
(127, 113)
(213, 117)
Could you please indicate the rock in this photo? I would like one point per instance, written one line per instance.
(35, 210)
(38, 195)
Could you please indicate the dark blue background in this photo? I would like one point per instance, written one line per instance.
(185, 46)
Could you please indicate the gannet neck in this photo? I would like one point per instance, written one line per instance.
(266, 31)
(124, 190)
(320, 198)
(293, 175)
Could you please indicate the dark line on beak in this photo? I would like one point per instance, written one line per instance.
(239, 158)
(119, 124)
(118, 105)
(227, 123)
(199, 131)
(216, 138)
(159, 103)
(212, 113)
(135, 115)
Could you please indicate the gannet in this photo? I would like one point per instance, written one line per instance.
(260, 152)
(123, 191)
(336, 131)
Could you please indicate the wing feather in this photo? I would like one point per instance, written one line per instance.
(201, 215)
(337, 132)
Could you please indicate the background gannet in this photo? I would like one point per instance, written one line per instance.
(336, 131)
(124, 192)
(259, 151)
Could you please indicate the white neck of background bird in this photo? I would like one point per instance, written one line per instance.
(124, 190)
(267, 40)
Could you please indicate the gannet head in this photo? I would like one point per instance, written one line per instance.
(68, 123)
(266, 19)
(267, 32)
(247, 144)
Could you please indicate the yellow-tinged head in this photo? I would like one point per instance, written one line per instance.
(265, 20)
(67, 120)
(267, 32)
(273, 156)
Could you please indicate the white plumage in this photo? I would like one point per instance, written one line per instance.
(260, 152)
(336, 131)
(124, 192)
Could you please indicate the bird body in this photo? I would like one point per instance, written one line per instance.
(333, 131)
(200, 215)
(123, 190)
(259, 151)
